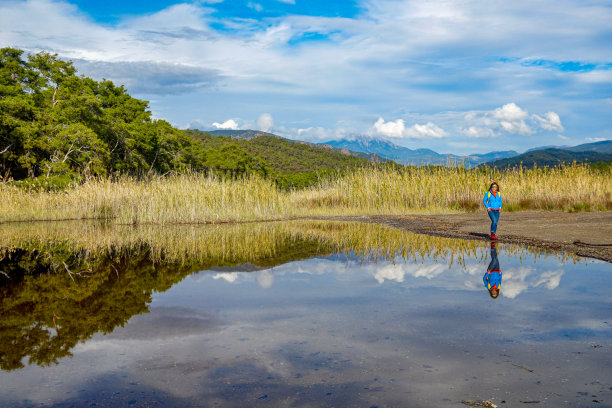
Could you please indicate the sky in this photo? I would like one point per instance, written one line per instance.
(460, 77)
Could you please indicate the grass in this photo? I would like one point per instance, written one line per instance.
(195, 198)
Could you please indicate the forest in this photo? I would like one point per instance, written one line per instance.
(58, 127)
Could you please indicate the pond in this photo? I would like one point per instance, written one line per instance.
(304, 313)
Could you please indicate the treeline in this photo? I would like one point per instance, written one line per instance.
(294, 164)
(57, 127)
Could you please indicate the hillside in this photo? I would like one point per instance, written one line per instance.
(249, 134)
(551, 157)
(294, 164)
(604, 146)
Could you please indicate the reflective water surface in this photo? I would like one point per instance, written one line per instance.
(295, 314)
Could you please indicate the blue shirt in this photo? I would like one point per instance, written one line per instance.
(494, 202)
(492, 279)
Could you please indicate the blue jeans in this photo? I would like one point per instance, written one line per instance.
(494, 215)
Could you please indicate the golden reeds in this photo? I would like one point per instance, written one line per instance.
(195, 198)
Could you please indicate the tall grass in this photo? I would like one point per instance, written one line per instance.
(195, 198)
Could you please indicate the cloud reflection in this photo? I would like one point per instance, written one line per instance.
(441, 274)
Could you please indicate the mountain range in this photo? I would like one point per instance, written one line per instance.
(539, 156)
(589, 152)
(380, 150)
(417, 157)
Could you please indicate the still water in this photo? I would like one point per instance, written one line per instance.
(295, 315)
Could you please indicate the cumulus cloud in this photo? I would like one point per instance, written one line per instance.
(393, 129)
(509, 118)
(426, 131)
(228, 124)
(550, 121)
(512, 119)
(265, 122)
(398, 129)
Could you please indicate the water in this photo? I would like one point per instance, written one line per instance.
(301, 314)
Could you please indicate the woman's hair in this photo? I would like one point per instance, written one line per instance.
(494, 296)
(494, 184)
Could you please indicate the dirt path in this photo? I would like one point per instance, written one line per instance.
(586, 234)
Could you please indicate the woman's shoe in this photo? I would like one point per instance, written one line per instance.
(493, 236)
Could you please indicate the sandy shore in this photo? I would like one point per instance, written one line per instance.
(586, 233)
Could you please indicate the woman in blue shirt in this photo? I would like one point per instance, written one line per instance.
(493, 277)
(493, 203)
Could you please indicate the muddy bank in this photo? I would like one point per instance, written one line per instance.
(586, 234)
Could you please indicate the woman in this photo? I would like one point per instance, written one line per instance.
(493, 203)
(493, 277)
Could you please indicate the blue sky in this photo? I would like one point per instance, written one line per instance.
(461, 77)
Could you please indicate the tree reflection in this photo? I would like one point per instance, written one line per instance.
(58, 298)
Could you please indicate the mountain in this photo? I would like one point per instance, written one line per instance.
(605, 146)
(249, 134)
(389, 150)
(373, 157)
(404, 155)
(533, 149)
(551, 157)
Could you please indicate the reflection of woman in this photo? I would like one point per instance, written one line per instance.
(493, 203)
(492, 278)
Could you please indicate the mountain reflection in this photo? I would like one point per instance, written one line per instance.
(63, 282)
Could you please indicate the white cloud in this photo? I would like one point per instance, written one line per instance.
(228, 124)
(516, 280)
(509, 118)
(562, 137)
(426, 131)
(550, 121)
(595, 139)
(550, 279)
(265, 122)
(398, 129)
(287, 1)
(393, 129)
(512, 119)
(474, 132)
(228, 277)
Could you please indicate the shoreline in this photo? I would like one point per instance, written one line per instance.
(586, 234)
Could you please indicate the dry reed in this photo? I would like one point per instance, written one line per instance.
(195, 198)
